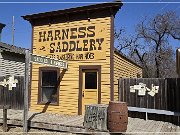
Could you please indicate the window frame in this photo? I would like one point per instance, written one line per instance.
(46, 69)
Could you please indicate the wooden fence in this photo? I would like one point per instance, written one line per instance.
(167, 97)
(14, 97)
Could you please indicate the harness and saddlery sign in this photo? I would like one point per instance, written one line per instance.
(72, 42)
(49, 61)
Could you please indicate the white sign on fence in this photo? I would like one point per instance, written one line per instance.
(141, 88)
(11, 82)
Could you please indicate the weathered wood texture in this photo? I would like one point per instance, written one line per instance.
(124, 69)
(13, 97)
(96, 117)
(74, 124)
(167, 97)
(12, 64)
(69, 81)
(5, 107)
(26, 92)
(5, 120)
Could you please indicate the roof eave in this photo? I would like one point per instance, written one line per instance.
(114, 5)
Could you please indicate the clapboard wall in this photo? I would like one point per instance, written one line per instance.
(124, 68)
(69, 85)
(12, 64)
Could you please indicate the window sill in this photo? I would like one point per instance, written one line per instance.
(46, 103)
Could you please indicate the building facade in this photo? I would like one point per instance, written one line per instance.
(12, 60)
(84, 37)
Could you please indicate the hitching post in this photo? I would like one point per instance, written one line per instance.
(26, 82)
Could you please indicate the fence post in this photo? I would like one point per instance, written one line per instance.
(5, 107)
(4, 119)
(25, 114)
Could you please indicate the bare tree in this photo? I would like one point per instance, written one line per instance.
(125, 43)
(156, 32)
(150, 45)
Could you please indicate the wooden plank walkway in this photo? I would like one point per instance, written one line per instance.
(74, 123)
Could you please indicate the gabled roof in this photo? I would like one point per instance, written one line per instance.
(11, 48)
(125, 57)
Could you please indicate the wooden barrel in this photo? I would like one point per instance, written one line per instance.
(117, 116)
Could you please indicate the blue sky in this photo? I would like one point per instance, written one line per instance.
(128, 16)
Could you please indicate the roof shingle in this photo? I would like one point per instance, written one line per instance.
(11, 48)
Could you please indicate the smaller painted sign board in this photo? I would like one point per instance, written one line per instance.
(96, 117)
(48, 61)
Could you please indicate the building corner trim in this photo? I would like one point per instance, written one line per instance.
(112, 59)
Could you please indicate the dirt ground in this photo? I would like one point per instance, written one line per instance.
(19, 130)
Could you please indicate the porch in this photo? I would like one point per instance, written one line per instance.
(74, 123)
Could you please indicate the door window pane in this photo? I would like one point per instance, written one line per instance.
(90, 80)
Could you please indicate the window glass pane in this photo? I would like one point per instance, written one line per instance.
(90, 80)
(49, 94)
(49, 86)
(49, 78)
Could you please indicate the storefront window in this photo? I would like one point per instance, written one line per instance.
(48, 89)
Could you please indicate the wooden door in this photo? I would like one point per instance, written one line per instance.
(89, 88)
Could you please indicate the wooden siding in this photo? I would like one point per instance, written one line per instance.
(12, 64)
(69, 85)
(14, 97)
(123, 69)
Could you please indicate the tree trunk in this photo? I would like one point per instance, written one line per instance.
(157, 68)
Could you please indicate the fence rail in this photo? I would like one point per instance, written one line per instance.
(13, 97)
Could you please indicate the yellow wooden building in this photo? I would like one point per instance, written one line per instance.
(84, 37)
